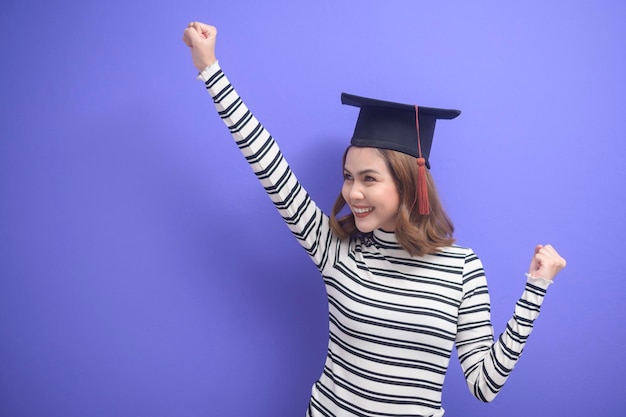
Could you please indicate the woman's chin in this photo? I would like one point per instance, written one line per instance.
(364, 228)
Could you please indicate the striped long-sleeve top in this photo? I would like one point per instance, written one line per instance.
(394, 319)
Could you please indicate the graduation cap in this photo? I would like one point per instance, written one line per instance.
(400, 127)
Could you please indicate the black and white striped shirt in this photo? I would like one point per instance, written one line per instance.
(393, 318)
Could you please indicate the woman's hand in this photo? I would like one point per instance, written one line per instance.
(546, 262)
(200, 38)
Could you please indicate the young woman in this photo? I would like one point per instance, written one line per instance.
(401, 295)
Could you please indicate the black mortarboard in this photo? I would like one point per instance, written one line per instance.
(388, 125)
(400, 127)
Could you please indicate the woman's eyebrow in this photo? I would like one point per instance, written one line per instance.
(363, 172)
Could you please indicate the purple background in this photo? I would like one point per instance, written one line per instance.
(143, 272)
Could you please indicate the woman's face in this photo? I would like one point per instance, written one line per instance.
(370, 190)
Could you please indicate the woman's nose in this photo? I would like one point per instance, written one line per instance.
(355, 192)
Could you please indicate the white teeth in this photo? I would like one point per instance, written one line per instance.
(362, 210)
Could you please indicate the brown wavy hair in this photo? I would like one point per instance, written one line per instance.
(418, 234)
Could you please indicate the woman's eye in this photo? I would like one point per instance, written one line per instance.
(369, 179)
(347, 176)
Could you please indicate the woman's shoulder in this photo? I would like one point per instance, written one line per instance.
(457, 250)
(450, 255)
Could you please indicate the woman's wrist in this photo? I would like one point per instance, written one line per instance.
(208, 70)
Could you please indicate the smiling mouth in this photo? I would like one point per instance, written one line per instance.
(361, 212)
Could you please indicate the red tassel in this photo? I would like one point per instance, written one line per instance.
(422, 187)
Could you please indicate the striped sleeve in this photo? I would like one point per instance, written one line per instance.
(305, 220)
(487, 363)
